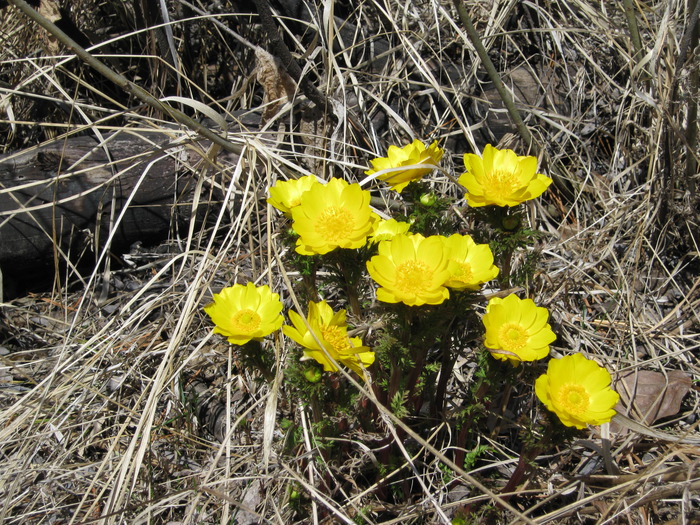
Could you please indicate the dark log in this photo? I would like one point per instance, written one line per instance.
(51, 192)
(65, 196)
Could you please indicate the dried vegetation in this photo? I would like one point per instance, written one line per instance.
(118, 405)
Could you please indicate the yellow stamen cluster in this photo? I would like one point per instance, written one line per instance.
(517, 329)
(578, 391)
(333, 215)
(324, 337)
(501, 178)
(245, 312)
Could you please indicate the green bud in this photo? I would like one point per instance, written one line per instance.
(510, 223)
(313, 375)
(428, 199)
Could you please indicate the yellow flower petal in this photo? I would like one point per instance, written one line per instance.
(412, 157)
(509, 326)
(501, 178)
(578, 391)
(472, 263)
(388, 229)
(331, 330)
(286, 195)
(242, 313)
(334, 215)
(411, 269)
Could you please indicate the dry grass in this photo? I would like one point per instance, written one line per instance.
(113, 391)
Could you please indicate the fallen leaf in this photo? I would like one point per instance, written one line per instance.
(654, 395)
(278, 86)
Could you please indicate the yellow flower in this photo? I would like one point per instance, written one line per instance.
(578, 391)
(242, 313)
(410, 156)
(333, 215)
(502, 178)
(473, 263)
(331, 330)
(411, 269)
(286, 195)
(388, 229)
(517, 329)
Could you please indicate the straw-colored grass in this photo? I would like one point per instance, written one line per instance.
(119, 405)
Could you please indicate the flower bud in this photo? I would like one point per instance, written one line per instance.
(313, 375)
(510, 223)
(428, 199)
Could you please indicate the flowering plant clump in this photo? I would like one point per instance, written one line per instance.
(411, 269)
(412, 157)
(411, 283)
(333, 215)
(472, 263)
(578, 391)
(501, 178)
(286, 195)
(244, 313)
(327, 335)
(517, 329)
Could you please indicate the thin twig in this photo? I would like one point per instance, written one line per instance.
(123, 82)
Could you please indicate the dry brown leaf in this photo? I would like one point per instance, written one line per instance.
(50, 9)
(655, 395)
(278, 85)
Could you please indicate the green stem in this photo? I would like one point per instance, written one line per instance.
(309, 283)
(316, 412)
(405, 314)
(506, 256)
(419, 355)
(354, 301)
(493, 75)
(634, 29)
(447, 363)
(504, 276)
(349, 276)
(394, 381)
(463, 435)
(527, 456)
(634, 36)
(254, 356)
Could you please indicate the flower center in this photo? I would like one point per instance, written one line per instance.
(413, 277)
(501, 183)
(574, 399)
(512, 337)
(245, 321)
(464, 273)
(335, 224)
(337, 338)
